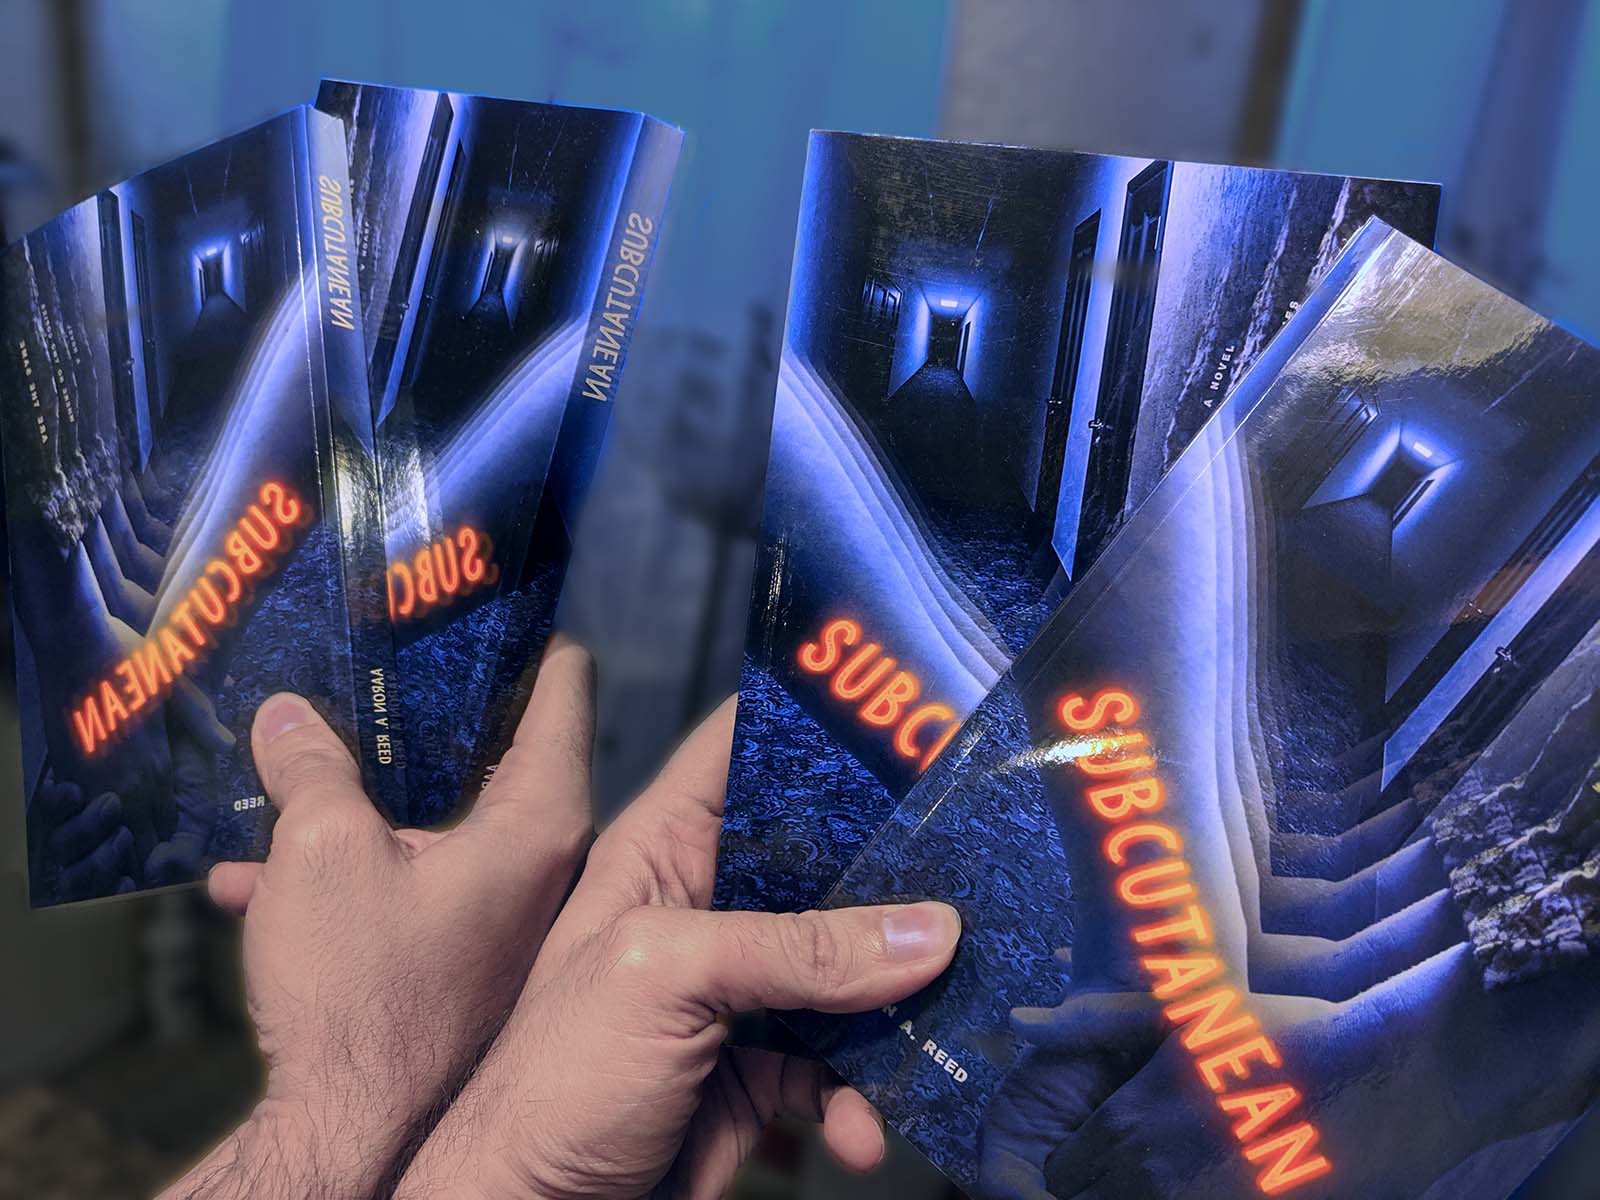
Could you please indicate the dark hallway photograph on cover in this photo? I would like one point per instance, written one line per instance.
(490, 231)
(177, 545)
(992, 355)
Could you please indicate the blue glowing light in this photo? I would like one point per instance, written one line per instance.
(947, 302)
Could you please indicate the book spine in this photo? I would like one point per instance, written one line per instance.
(359, 518)
(630, 250)
(613, 316)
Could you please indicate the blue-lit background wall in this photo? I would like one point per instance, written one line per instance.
(1498, 100)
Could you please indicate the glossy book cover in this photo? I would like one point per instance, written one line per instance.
(187, 452)
(1276, 850)
(992, 355)
(503, 252)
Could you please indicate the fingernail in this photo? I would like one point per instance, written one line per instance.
(281, 713)
(920, 930)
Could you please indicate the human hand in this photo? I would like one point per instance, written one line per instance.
(1145, 1125)
(379, 963)
(611, 1077)
(83, 844)
(194, 786)
(1174, 1145)
(1074, 1055)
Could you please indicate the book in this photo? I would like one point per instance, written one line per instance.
(1274, 850)
(992, 354)
(187, 456)
(504, 249)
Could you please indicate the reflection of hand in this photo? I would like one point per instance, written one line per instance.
(1076, 1055)
(177, 860)
(1427, 1081)
(193, 714)
(1107, 1102)
(1159, 1134)
(611, 1078)
(1431, 1083)
(86, 844)
(379, 962)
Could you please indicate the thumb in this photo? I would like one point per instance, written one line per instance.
(842, 960)
(303, 765)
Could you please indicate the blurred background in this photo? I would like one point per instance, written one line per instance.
(123, 1049)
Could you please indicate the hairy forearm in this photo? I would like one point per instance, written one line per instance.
(468, 1154)
(275, 1154)
(455, 1153)
(267, 1155)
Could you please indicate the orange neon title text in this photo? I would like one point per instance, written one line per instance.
(251, 551)
(887, 695)
(440, 572)
(1235, 1059)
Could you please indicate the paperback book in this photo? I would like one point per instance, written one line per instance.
(503, 252)
(1275, 850)
(189, 502)
(992, 356)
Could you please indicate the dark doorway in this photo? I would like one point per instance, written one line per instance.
(944, 342)
(430, 284)
(1064, 383)
(1122, 376)
(118, 338)
(147, 321)
(491, 291)
(211, 284)
(398, 303)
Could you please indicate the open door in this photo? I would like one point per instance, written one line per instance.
(396, 305)
(1116, 415)
(1064, 383)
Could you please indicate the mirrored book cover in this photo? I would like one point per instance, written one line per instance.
(187, 454)
(503, 252)
(1276, 850)
(992, 355)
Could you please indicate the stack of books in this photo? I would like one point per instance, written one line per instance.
(1195, 580)
(310, 409)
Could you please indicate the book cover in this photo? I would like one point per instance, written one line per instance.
(178, 438)
(503, 250)
(1276, 849)
(992, 354)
